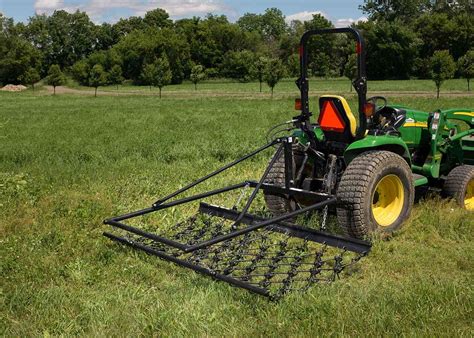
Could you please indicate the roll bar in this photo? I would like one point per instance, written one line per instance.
(360, 83)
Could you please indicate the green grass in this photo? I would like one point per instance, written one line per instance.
(288, 86)
(67, 162)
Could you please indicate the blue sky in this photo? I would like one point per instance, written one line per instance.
(340, 12)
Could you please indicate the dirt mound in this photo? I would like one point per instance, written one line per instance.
(13, 88)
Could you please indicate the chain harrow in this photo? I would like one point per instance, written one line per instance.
(273, 261)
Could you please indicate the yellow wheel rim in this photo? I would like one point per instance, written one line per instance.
(469, 198)
(387, 200)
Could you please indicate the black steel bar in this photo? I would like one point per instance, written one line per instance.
(257, 187)
(288, 164)
(292, 192)
(214, 173)
(331, 200)
(149, 235)
(130, 215)
(177, 202)
(189, 265)
(299, 175)
(200, 196)
(340, 242)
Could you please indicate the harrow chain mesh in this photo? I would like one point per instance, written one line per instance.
(271, 260)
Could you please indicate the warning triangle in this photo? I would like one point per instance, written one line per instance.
(329, 118)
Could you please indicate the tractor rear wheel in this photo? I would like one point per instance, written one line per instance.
(279, 204)
(376, 193)
(459, 185)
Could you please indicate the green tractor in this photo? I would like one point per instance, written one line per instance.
(374, 168)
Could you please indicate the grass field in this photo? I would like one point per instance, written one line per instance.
(67, 162)
(287, 87)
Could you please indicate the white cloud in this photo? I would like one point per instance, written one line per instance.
(97, 8)
(45, 6)
(304, 16)
(181, 7)
(347, 22)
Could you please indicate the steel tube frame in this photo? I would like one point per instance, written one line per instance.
(351, 244)
(218, 171)
(160, 204)
(259, 184)
(190, 248)
(189, 265)
(215, 240)
(322, 200)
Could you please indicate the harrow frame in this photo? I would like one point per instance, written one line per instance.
(253, 223)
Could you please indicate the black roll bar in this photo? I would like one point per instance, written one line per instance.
(360, 83)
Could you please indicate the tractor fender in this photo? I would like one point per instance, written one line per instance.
(371, 142)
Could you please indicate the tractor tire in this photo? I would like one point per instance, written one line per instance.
(279, 204)
(459, 185)
(375, 194)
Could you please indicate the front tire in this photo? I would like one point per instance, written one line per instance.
(459, 185)
(376, 193)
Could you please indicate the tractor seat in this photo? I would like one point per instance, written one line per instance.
(336, 119)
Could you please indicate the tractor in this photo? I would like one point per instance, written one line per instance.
(365, 172)
(374, 168)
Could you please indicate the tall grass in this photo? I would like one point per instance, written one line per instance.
(68, 162)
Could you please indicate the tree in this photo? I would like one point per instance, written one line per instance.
(140, 47)
(390, 10)
(71, 37)
(17, 54)
(106, 35)
(31, 76)
(466, 67)
(115, 76)
(250, 22)
(320, 65)
(270, 25)
(273, 24)
(258, 69)
(97, 77)
(80, 72)
(274, 72)
(350, 69)
(148, 74)
(442, 67)
(163, 75)
(238, 65)
(157, 74)
(157, 18)
(197, 75)
(55, 77)
(293, 65)
(392, 48)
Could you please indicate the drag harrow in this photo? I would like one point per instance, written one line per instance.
(266, 255)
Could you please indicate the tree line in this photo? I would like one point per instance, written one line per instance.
(405, 39)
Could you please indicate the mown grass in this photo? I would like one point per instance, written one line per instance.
(287, 86)
(67, 162)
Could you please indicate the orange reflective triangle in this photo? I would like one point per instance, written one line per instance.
(329, 118)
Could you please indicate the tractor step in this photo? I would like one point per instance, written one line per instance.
(270, 261)
(419, 180)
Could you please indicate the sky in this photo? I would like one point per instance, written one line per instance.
(340, 12)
